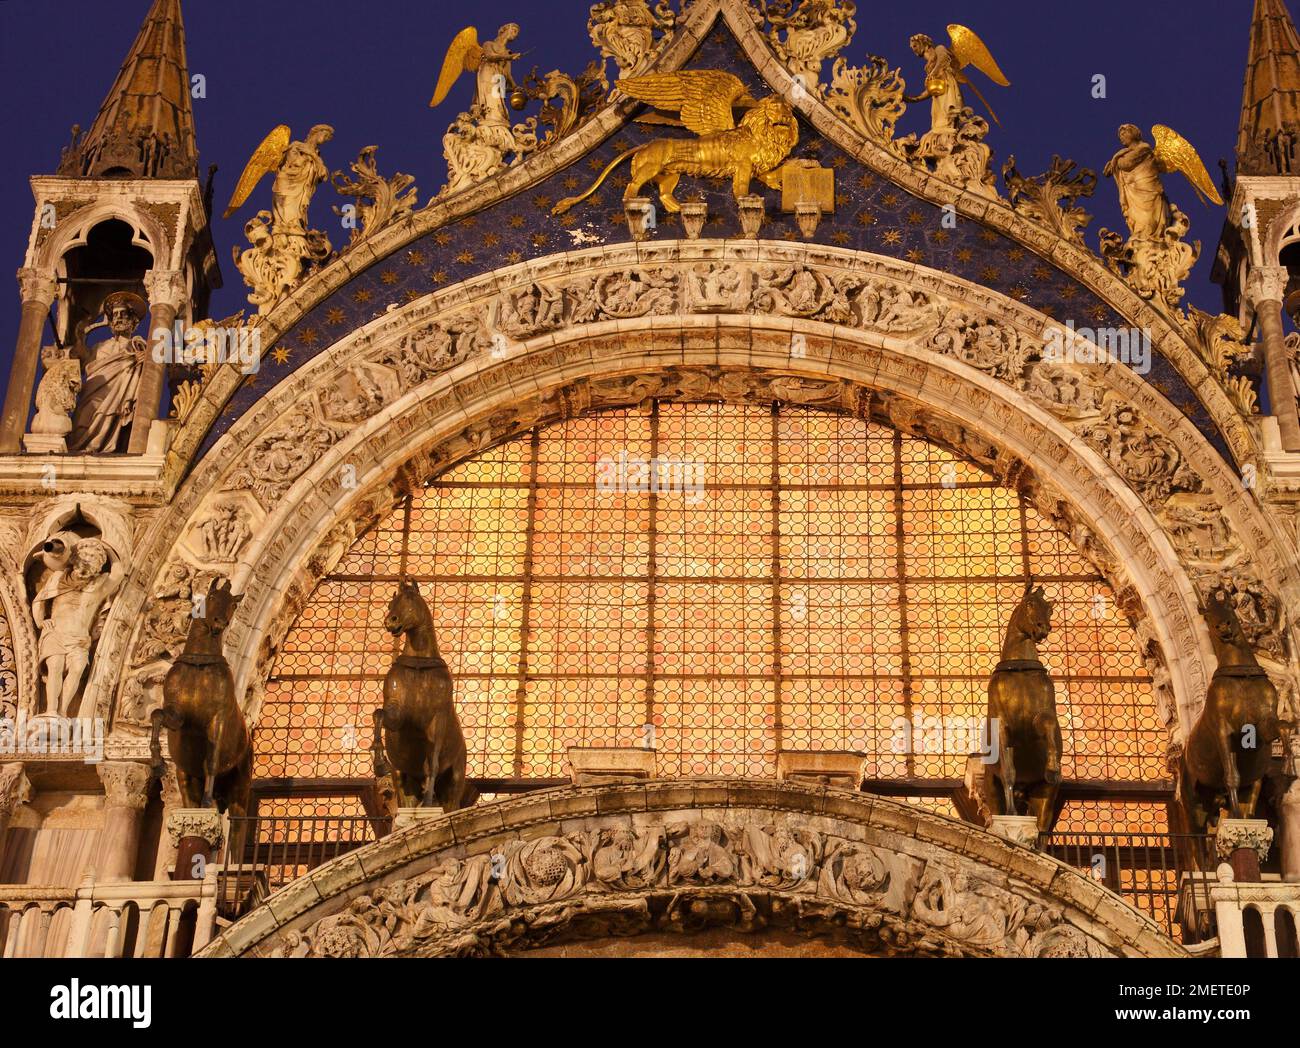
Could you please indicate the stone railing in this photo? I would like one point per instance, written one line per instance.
(117, 919)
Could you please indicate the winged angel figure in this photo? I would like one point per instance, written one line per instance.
(705, 100)
(1154, 260)
(1137, 168)
(945, 76)
(478, 142)
(283, 244)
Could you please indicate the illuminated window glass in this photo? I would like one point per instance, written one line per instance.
(828, 580)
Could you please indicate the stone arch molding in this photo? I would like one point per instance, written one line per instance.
(1174, 334)
(687, 857)
(282, 495)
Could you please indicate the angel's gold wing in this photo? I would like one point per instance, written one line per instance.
(266, 157)
(1175, 153)
(464, 55)
(703, 97)
(970, 50)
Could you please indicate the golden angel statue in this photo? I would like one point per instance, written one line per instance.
(289, 245)
(494, 89)
(1137, 168)
(944, 76)
(1154, 260)
(704, 99)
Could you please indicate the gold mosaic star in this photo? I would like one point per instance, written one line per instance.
(915, 218)
(539, 240)
(335, 316)
(1068, 292)
(491, 239)
(1016, 254)
(838, 162)
(571, 183)
(388, 277)
(990, 274)
(941, 236)
(465, 258)
(415, 258)
(840, 237)
(362, 295)
(442, 237)
(892, 236)
(865, 218)
(517, 221)
(988, 236)
(309, 337)
(514, 256)
(1042, 272)
(965, 254)
(915, 256)
(1097, 312)
(891, 200)
(410, 294)
(439, 275)
(866, 181)
(280, 355)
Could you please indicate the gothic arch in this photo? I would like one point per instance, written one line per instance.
(285, 462)
(684, 858)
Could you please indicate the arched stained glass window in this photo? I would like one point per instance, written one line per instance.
(800, 580)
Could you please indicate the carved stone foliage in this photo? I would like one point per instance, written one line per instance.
(746, 872)
(8, 671)
(1154, 267)
(1258, 610)
(805, 33)
(380, 201)
(870, 98)
(1221, 344)
(630, 32)
(1052, 198)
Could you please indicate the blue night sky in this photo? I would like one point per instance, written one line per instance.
(369, 70)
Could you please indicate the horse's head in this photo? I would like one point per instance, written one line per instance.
(1221, 616)
(407, 609)
(1033, 615)
(219, 606)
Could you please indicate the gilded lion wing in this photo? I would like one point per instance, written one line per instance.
(703, 97)
(970, 50)
(1175, 153)
(464, 55)
(266, 157)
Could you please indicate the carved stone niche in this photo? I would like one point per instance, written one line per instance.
(609, 765)
(842, 769)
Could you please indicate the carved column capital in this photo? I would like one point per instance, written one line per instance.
(1238, 834)
(166, 288)
(204, 823)
(15, 789)
(1266, 284)
(126, 784)
(38, 285)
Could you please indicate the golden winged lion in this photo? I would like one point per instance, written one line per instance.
(704, 99)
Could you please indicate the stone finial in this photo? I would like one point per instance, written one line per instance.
(640, 213)
(752, 211)
(694, 215)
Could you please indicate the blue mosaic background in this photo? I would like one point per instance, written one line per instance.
(871, 215)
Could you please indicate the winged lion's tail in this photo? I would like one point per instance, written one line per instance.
(569, 202)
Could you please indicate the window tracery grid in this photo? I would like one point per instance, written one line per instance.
(836, 576)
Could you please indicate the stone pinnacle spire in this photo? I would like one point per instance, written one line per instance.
(145, 128)
(1270, 107)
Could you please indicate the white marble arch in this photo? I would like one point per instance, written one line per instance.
(275, 566)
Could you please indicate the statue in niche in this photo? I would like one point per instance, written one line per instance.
(80, 577)
(113, 367)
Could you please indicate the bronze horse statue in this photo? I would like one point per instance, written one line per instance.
(1230, 747)
(1022, 712)
(206, 734)
(422, 746)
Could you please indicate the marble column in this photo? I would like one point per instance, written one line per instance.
(167, 294)
(14, 791)
(39, 288)
(171, 800)
(126, 792)
(1265, 290)
(1290, 819)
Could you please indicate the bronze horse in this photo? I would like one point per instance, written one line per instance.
(1022, 712)
(206, 734)
(1230, 747)
(423, 747)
